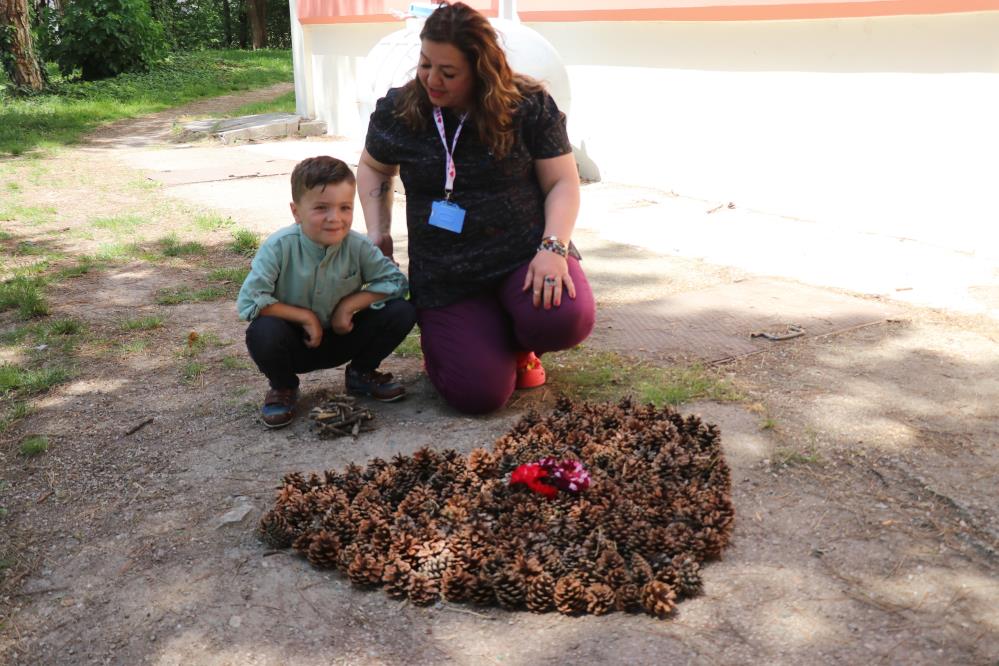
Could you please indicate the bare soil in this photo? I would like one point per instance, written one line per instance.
(864, 467)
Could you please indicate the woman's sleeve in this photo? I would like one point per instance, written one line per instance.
(544, 128)
(383, 128)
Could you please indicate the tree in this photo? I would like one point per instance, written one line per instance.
(257, 11)
(16, 48)
(104, 38)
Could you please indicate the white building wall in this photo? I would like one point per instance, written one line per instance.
(883, 124)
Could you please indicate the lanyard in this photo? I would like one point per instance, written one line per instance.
(449, 169)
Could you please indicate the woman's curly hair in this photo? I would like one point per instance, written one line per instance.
(498, 90)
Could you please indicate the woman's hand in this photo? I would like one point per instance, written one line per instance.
(383, 242)
(547, 278)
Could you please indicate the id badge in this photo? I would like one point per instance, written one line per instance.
(447, 215)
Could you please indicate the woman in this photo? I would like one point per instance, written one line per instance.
(492, 194)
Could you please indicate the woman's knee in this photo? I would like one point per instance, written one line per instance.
(476, 384)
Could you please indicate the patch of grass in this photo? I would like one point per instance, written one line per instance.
(192, 371)
(592, 375)
(237, 275)
(235, 363)
(117, 251)
(244, 242)
(410, 346)
(788, 457)
(18, 411)
(67, 109)
(198, 342)
(768, 424)
(13, 187)
(34, 445)
(30, 249)
(171, 246)
(283, 104)
(19, 380)
(675, 386)
(142, 323)
(25, 294)
(212, 222)
(33, 215)
(186, 295)
(5, 236)
(64, 327)
(118, 223)
(133, 346)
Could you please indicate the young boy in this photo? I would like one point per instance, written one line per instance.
(319, 295)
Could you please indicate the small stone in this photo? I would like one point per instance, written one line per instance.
(235, 621)
(234, 516)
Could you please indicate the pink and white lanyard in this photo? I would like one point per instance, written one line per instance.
(450, 173)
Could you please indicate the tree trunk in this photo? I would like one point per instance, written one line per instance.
(15, 41)
(257, 10)
(226, 24)
(244, 26)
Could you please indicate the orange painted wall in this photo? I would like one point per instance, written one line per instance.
(371, 11)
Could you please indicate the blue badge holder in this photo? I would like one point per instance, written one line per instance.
(447, 215)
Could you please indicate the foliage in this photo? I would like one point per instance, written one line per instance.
(70, 108)
(104, 38)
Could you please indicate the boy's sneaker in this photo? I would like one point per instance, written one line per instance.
(378, 385)
(530, 372)
(279, 407)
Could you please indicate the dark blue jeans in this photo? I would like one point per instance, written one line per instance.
(278, 346)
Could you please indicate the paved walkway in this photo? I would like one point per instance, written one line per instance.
(630, 237)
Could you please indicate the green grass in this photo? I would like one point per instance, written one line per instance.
(237, 275)
(244, 242)
(25, 294)
(142, 323)
(15, 379)
(590, 375)
(768, 424)
(212, 222)
(186, 295)
(18, 411)
(13, 187)
(410, 346)
(283, 104)
(197, 343)
(118, 223)
(4, 235)
(33, 215)
(64, 327)
(171, 246)
(235, 363)
(68, 109)
(82, 266)
(34, 445)
(133, 346)
(192, 371)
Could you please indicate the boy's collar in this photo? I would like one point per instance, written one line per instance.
(314, 247)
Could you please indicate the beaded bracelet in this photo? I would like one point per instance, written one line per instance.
(553, 244)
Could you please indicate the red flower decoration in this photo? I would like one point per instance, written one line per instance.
(531, 475)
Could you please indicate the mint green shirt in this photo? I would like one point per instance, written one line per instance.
(292, 269)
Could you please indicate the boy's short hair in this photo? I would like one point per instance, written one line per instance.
(315, 171)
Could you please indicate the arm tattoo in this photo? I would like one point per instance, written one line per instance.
(380, 191)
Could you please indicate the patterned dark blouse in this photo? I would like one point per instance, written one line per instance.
(504, 205)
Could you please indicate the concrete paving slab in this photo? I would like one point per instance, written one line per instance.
(716, 324)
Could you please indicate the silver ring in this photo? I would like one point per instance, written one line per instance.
(550, 279)
(537, 291)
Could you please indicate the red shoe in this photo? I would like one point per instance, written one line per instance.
(530, 372)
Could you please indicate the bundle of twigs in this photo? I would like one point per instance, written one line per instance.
(337, 415)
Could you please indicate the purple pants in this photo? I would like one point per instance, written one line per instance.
(470, 347)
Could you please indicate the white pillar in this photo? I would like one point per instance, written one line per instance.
(508, 10)
(302, 64)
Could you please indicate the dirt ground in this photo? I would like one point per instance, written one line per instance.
(864, 474)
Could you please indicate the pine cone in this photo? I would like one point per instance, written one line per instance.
(481, 592)
(628, 598)
(658, 599)
(324, 550)
(423, 591)
(541, 593)
(510, 588)
(274, 530)
(303, 541)
(456, 584)
(599, 599)
(365, 569)
(482, 463)
(395, 576)
(686, 575)
(641, 570)
(570, 595)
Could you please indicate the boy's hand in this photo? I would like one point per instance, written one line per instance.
(313, 331)
(342, 321)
